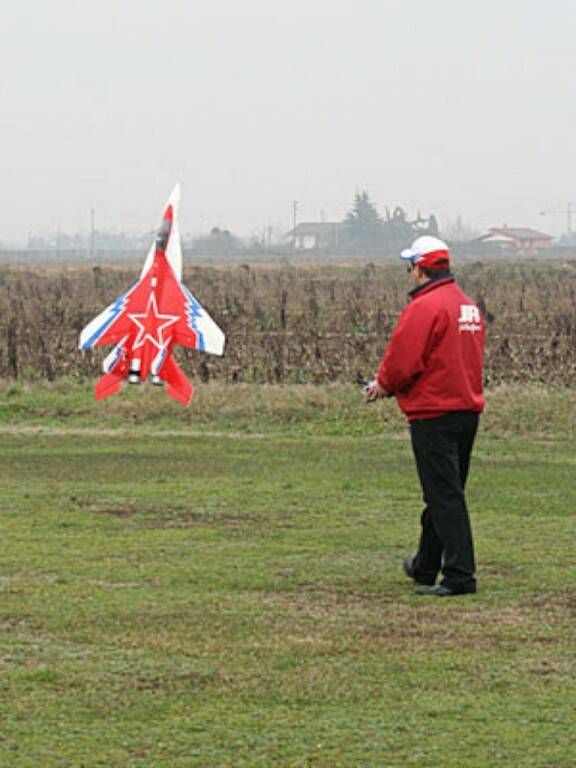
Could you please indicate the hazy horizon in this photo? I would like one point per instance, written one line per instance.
(444, 108)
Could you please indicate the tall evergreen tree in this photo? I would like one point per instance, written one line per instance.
(365, 228)
(363, 222)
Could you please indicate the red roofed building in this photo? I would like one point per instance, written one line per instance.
(517, 239)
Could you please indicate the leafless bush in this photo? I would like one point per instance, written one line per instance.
(292, 323)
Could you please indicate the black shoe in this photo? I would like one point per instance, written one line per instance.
(437, 591)
(408, 567)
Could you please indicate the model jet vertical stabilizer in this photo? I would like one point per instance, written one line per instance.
(146, 321)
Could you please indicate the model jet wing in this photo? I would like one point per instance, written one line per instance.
(196, 329)
(110, 325)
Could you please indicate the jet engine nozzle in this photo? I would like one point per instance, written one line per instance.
(134, 371)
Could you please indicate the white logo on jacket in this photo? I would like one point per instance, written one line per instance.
(469, 319)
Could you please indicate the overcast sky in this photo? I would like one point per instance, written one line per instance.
(450, 107)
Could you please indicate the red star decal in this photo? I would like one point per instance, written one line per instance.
(149, 326)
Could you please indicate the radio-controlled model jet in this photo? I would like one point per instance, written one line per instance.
(152, 316)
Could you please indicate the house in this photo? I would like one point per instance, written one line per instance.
(516, 239)
(316, 235)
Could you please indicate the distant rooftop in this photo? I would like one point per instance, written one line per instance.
(522, 239)
(518, 233)
(305, 228)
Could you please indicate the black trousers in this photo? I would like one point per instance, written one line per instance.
(442, 448)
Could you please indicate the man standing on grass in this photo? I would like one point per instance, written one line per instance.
(433, 366)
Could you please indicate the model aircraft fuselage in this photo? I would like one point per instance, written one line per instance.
(152, 316)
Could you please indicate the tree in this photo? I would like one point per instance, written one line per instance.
(220, 242)
(365, 228)
(363, 222)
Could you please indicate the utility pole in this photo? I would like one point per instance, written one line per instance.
(294, 219)
(568, 211)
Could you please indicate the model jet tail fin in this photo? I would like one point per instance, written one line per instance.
(107, 385)
(115, 367)
(177, 385)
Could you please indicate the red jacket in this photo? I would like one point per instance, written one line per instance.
(433, 362)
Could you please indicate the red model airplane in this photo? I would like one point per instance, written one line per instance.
(145, 322)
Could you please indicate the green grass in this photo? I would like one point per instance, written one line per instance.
(222, 586)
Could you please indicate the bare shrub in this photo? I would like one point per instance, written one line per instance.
(287, 323)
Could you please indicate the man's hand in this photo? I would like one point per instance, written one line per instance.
(373, 391)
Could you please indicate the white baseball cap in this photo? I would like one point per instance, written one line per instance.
(429, 252)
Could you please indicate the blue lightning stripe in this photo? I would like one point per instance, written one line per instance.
(159, 360)
(114, 362)
(194, 314)
(115, 310)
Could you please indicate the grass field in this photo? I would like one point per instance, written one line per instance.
(222, 586)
